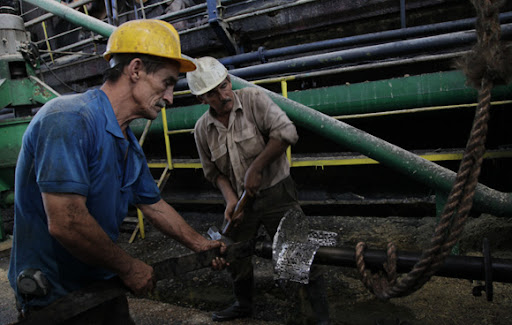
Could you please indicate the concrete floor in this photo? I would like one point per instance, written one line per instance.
(144, 311)
(442, 301)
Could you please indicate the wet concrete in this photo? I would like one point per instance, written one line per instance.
(191, 298)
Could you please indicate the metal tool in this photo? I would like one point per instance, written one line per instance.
(295, 245)
(84, 299)
(215, 234)
(227, 226)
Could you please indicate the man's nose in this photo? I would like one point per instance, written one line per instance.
(168, 96)
(223, 95)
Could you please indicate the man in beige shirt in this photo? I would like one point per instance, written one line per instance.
(242, 140)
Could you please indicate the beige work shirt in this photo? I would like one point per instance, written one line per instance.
(230, 151)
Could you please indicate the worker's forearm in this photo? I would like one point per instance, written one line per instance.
(70, 223)
(166, 219)
(272, 151)
(226, 189)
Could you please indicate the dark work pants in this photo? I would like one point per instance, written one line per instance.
(267, 209)
(112, 312)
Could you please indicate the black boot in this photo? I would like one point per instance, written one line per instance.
(232, 312)
(318, 299)
(242, 289)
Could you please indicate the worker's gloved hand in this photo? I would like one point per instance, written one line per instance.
(139, 277)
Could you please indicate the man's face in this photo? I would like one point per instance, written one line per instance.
(155, 90)
(220, 98)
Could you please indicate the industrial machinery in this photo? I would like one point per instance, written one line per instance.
(375, 88)
(379, 66)
(20, 92)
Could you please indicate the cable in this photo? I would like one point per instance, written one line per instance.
(60, 80)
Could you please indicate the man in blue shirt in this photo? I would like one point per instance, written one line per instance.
(80, 167)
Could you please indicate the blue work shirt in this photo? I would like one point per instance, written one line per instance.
(74, 144)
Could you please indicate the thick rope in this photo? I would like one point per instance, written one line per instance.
(484, 66)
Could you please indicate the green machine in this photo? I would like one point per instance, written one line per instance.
(20, 93)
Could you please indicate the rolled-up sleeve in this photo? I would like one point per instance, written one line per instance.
(200, 135)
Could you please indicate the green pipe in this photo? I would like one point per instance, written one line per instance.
(7, 198)
(426, 90)
(431, 174)
(422, 170)
(74, 16)
(433, 89)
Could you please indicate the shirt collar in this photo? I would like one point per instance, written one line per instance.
(112, 124)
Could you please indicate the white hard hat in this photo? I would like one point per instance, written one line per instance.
(208, 75)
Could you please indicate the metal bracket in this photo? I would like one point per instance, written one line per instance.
(487, 287)
(220, 27)
(295, 245)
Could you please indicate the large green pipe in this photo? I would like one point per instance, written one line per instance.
(433, 89)
(426, 90)
(422, 170)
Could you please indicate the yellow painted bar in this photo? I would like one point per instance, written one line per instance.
(180, 131)
(176, 165)
(416, 110)
(369, 161)
(352, 161)
(166, 138)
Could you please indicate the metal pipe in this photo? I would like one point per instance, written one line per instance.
(417, 31)
(109, 12)
(402, 14)
(74, 16)
(405, 47)
(460, 267)
(401, 160)
(424, 171)
(434, 89)
(50, 15)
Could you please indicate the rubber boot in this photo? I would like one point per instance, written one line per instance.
(317, 297)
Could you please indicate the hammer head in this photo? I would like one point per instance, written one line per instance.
(215, 234)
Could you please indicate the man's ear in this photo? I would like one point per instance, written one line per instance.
(135, 67)
(201, 99)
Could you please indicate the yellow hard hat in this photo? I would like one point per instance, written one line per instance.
(148, 36)
(208, 75)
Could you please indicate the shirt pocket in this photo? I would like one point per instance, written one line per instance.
(220, 158)
(219, 152)
(249, 142)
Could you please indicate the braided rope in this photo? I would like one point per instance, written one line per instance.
(460, 199)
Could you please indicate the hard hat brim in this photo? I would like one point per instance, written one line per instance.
(185, 65)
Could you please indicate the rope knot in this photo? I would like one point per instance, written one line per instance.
(379, 284)
(489, 58)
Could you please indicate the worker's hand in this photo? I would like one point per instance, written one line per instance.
(218, 263)
(139, 277)
(252, 181)
(230, 208)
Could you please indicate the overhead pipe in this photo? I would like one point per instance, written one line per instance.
(392, 156)
(44, 17)
(440, 28)
(427, 90)
(74, 16)
(424, 171)
(373, 52)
